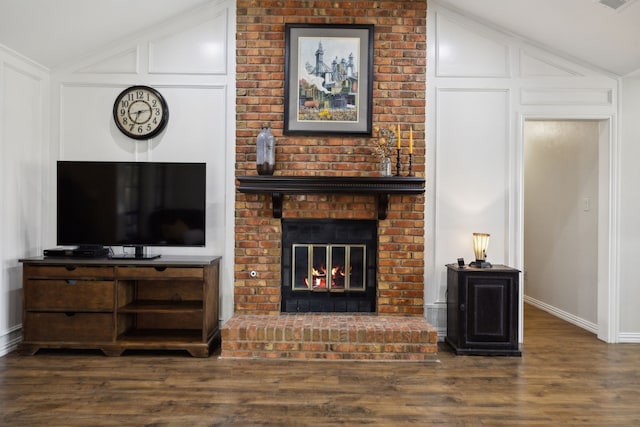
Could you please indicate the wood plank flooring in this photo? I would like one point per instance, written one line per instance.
(565, 377)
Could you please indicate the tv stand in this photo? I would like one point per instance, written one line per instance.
(135, 256)
(139, 253)
(116, 305)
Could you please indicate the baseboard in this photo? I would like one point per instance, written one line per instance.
(436, 315)
(10, 339)
(629, 337)
(567, 317)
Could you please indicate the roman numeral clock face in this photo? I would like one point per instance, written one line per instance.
(140, 112)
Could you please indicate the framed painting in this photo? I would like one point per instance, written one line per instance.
(328, 79)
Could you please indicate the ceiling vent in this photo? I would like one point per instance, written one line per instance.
(615, 4)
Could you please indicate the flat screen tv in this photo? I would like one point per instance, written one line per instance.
(133, 204)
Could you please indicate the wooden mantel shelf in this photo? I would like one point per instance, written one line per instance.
(381, 187)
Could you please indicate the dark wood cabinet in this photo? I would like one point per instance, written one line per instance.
(482, 310)
(169, 303)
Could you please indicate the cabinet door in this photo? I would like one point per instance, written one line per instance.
(490, 310)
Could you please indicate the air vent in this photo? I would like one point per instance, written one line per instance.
(615, 4)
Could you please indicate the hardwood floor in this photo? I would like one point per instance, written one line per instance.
(565, 377)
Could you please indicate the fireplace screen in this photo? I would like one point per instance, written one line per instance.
(329, 265)
(328, 268)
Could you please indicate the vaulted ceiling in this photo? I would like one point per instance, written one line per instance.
(54, 32)
(583, 30)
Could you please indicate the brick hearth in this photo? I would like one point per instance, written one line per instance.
(329, 336)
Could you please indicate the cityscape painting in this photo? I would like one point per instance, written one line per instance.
(328, 79)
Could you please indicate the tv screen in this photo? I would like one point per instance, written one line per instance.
(131, 204)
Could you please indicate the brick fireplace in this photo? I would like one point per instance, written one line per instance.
(289, 316)
(392, 205)
(396, 326)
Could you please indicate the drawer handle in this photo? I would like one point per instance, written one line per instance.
(462, 307)
(70, 267)
(71, 281)
(69, 313)
(160, 268)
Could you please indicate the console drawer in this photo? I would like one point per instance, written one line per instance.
(74, 327)
(70, 294)
(67, 271)
(160, 273)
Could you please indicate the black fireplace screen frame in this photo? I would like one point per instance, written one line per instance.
(326, 232)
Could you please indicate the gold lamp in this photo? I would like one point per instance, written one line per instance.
(480, 245)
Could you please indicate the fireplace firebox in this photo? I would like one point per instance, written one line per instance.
(329, 265)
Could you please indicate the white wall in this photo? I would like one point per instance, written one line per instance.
(630, 210)
(66, 114)
(482, 86)
(561, 217)
(190, 60)
(24, 138)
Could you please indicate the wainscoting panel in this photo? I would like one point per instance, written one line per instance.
(483, 56)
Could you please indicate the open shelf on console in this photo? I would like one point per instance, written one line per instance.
(150, 336)
(140, 306)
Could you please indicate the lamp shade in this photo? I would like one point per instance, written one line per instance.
(480, 245)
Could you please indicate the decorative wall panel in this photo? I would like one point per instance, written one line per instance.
(566, 96)
(201, 49)
(473, 142)
(461, 52)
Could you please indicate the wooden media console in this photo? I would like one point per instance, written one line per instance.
(169, 303)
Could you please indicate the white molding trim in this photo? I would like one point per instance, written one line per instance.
(629, 337)
(436, 315)
(18, 56)
(10, 339)
(608, 291)
(567, 96)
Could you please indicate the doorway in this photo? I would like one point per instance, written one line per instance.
(566, 198)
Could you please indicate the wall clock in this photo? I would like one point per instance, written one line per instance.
(140, 112)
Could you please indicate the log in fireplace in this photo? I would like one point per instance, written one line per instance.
(329, 265)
